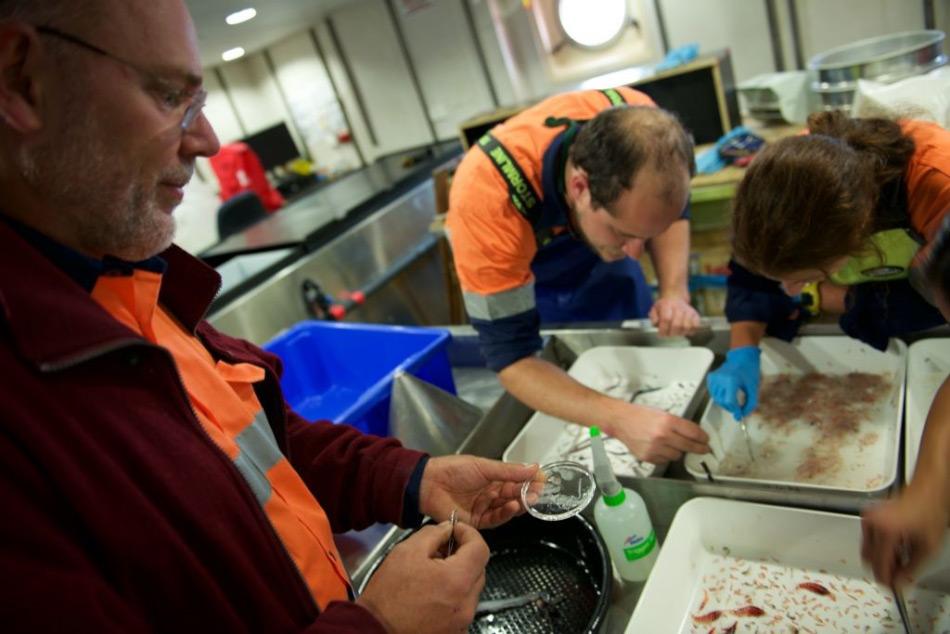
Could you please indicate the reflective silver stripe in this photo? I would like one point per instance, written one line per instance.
(499, 305)
(259, 453)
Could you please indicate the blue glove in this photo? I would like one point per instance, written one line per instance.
(740, 372)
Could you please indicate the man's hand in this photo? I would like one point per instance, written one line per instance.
(674, 317)
(417, 591)
(914, 523)
(485, 492)
(656, 436)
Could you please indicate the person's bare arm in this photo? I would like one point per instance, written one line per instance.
(672, 313)
(833, 298)
(917, 519)
(651, 434)
(746, 333)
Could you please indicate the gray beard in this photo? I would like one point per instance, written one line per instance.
(74, 178)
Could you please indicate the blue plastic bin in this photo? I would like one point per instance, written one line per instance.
(343, 372)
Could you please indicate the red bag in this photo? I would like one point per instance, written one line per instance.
(238, 170)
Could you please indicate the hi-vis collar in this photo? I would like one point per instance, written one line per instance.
(522, 193)
(888, 256)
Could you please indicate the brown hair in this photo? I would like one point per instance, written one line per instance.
(807, 201)
(613, 147)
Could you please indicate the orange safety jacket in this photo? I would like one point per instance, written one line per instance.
(927, 179)
(517, 267)
(224, 401)
(492, 242)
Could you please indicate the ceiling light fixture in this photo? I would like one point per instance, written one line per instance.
(232, 54)
(241, 16)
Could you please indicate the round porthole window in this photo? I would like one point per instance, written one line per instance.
(592, 24)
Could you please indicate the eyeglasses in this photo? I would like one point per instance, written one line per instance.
(169, 96)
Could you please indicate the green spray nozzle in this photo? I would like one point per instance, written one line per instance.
(603, 474)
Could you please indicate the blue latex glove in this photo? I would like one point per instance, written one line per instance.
(740, 372)
(678, 56)
(713, 160)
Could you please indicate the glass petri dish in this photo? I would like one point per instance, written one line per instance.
(565, 490)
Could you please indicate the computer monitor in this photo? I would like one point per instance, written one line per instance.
(274, 146)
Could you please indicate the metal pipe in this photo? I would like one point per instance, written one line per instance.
(336, 91)
(508, 52)
(664, 36)
(272, 69)
(360, 104)
(775, 35)
(401, 39)
(479, 50)
(796, 35)
(930, 21)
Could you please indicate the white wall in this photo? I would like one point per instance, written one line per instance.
(738, 25)
(942, 19)
(381, 73)
(218, 110)
(452, 80)
(826, 24)
(313, 103)
(255, 93)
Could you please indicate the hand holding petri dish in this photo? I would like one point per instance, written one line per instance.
(564, 489)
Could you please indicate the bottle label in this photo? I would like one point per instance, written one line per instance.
(637, 547)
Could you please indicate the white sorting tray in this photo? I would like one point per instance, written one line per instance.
(722, 555)
(928, 363)
(928, 601)
(620, 371)
(868, 464)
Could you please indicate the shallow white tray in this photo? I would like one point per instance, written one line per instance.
(724, 555)
(869, 461)
(928, 363)
(620, 371)
(928, 601)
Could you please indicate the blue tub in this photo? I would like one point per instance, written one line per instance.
(343, 372)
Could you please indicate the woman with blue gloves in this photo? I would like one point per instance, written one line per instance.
(832, 222)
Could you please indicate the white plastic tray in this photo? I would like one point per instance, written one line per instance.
(928, 363)
(869, 459)
(928, 601)
(620, 371)
(725, 555)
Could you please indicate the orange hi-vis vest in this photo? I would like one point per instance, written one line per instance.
(223, 399)
(493, 242)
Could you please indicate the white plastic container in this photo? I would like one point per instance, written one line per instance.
(928, 363)
(621, 372)
(623, 520)
(869, 459)
(721, 555)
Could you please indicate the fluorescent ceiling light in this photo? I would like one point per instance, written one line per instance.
(592, 24)
(232, 54)
(241, 16)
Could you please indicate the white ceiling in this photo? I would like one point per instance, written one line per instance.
(275, 20)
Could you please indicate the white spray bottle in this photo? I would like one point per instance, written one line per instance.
(622, 519)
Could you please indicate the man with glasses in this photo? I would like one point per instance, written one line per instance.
(152, 476)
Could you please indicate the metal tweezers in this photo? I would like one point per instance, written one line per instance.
(497, 605)
(451, 545)
(748, 439)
